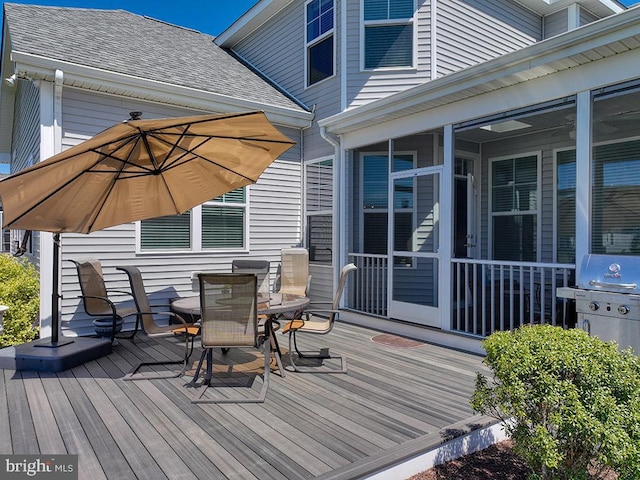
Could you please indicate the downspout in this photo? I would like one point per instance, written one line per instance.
(57, 111)
(338, 221)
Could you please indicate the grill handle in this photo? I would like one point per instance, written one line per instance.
(628, 286)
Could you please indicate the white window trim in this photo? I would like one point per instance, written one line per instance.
(196, 232)
(395, 21)
(306, 213)
(318, 39)
(307, 163)
(490, 214)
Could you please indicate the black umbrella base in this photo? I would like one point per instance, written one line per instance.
(44, 356)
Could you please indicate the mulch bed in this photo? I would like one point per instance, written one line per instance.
(497, 462)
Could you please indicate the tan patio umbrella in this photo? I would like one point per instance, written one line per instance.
(139, 169)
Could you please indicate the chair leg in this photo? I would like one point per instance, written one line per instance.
(263, 391)
(323, 354)
(158, 376)
(132, 336)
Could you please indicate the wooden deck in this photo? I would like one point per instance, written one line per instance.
(396, 400)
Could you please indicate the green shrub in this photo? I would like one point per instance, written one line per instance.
(20, 291)
(570, 402)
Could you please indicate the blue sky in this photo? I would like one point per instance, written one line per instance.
(207, 16)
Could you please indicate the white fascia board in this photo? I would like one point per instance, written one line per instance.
(33, 66)
(247, 23)
(618, 68)
(581, 40)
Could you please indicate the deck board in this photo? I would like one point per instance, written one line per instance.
(394, 399)
(5, 431)
(23, 433)
(49, 439)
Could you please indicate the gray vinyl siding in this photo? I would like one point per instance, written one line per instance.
(556, 23)
(26, 127)
(474, 31)
(369, 85)
(26, 146)
(274, 218)
(277, 50)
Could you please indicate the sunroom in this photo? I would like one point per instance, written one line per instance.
(470, 224)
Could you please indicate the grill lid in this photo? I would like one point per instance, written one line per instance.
(610, 273)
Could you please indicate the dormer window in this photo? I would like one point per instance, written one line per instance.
(388, 33)
(319, 38)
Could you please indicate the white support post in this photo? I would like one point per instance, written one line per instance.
(583, 177)
(445, 249)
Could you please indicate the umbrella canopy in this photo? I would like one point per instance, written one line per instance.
(141, 169)
(137, 170)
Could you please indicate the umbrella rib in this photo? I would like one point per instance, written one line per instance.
(180, 160)
(123, 163)
(61, 187)
(158, 170)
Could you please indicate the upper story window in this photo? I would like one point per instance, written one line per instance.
(319, 39)
(388, 33)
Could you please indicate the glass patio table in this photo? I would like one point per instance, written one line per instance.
(273, 306)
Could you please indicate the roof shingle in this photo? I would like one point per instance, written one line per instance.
(123, 42)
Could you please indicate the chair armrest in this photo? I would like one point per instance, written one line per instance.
(310, 312)
(104, 299)
(168, 313)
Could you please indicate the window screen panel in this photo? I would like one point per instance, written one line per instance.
(166, 233)
(222, 227)
(320, 58)
(388, 46)
(616, 198)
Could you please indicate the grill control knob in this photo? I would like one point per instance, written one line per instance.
(593, 306)
(623, 309)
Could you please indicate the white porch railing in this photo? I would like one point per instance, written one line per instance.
(490, 295)
(487, 295)
(368, 291)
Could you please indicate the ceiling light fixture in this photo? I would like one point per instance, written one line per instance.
(506, 126)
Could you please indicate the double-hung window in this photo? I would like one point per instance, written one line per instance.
(220, 224)
(319, 40)
(388, 33)
(319, 209)
(514, 208)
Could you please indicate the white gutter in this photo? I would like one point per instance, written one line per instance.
(40, 67)
(474, 80)
(338, 223)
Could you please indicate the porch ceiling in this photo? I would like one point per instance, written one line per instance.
(606, 38)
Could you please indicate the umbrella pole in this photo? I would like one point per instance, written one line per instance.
(55, 294)
(55, 298)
